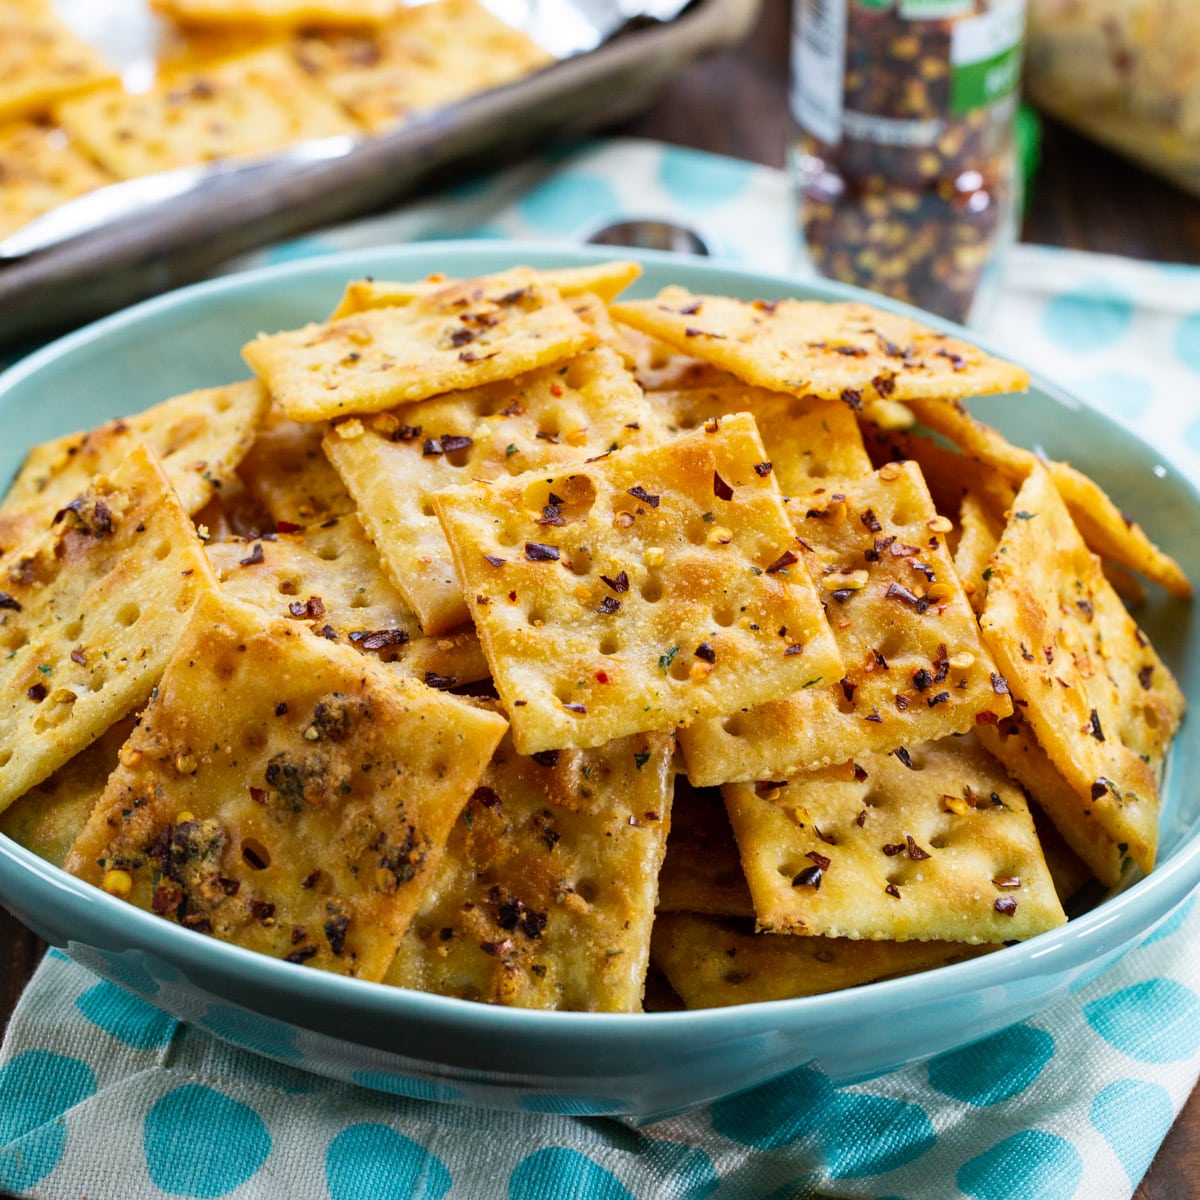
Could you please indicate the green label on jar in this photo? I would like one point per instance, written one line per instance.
(978, 84)
(935, 10)
(985, 57)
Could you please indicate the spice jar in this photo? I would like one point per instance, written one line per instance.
(904, 155)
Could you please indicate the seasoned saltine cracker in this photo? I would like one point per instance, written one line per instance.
(460, 336)
(1099, 700)
(248, 105)
(980, 528)
(199, 438)
(932, 842)
(395, 462)
(916, 669)
(284, 793)
(277, 14)
(545, 895)
(660, 367)
(90, 611)
(328, 579)
(845, 351)
(426, 57)
(646, 590)
(712, 963)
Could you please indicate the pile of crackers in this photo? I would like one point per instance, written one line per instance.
(501, 638)
(233, 78)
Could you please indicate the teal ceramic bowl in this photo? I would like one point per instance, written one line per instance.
(413, 1044)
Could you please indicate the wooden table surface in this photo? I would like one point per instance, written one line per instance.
(1082, 197)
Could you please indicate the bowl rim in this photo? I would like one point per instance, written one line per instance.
(1115, 923)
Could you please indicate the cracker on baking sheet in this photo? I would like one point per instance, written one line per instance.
(461, 336)
(286, 471)
(1104, 527)
(242, 106)
(39, 169)
(199, 439)
(545, 895)
(547, 417)
(277, 14)
(90, 611)
(811, 443)
(844, 351)
(605, 280)
(48, 818)
(712, 962)
(426, 57)
(42, 61)
(931, 842)
(916, 669)
(702, 872)
(1099, 700)
(328, 579)
(646, 590)
(284, 793)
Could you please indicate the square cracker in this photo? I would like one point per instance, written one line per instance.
(545, 895)
(284, 793)
(426, 57)
(845, 351)
(39, 169)
(646, 590)
(1099, 700)
(328, 579)
(277, 14)
(659, 367)
(712, 963)
(461, 336)
(932, 843)
(916, 668)
(199, 439)
(90, 611)
(243, 106)
(395, 462)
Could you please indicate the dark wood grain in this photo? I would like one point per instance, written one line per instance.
(1081, 197)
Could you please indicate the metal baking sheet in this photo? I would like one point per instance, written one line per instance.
(133, 255)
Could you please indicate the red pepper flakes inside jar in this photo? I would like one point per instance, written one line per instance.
(904, 158)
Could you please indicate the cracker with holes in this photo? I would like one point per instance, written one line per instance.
(712, 963)
(90, 611)
(1097, 697)
(648, 589)
(199, 438)
(605, 280)
(288, 475)
(931, 842)
(460, 336)
(328, 579)
(545, 895)
(844, 351)
(659, 367)
(393, 463)
(916, 668)
(284, 793)
(243, 106)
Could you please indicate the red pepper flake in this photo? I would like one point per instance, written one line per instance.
(452, 442)
(850, 351)
(1095, 729)
(608, 606)
(78, 656)
(601, 677)
(852, 397)
(461, 336)
(258, 795)
(884, 385)
(900, 592)
(262, 910)
(230, 887)
(819, 858)
(987, 718)
(721, 489)
(786, 559)
(540, 552)
(940, 698)
(556, 390)
(574, 706)
(706, 652)
(494, 560)
(300, 955)
(281, 708)
(618, 585)
(690, 310)
(874, 716)
(793, 648)
(1005, 905)
(37, 693)
(309, 610)
(311, 881)
(1144, 677)
(956, 360)
(901, 701)
(871, 521)
(255, 556)
(432, 448)
(639, 493)
(999, 684)
(712, 425)
(407, 433)
(6, 601)
(335, 934)
(287, 527)
(1007, 881)
(893, 848)
(809, 877)
(903, 755)
(551, 515)
(922, 679)
(441, 682)
(377, 639)
(327, 632)
(861, 819)
(915, 852)
(546, 758)
(762, 469)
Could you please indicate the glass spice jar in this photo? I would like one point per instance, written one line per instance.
(904, 160)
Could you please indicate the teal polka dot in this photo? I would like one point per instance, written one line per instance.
(1187, 341)
(571, 1106)
(566, 203)
(1133, 1118)
(868, 1135)
(404, 1085)
(689, 1172)
(1027, 1166)
(1116, 392)
(234, 1139)
(130, 974)
(36, 1088)
(1156, 1021)
(253, 1032)
(1087, 319)
(297, 248)
(125, 1017)
(778, 1113)
(995, 1069)
(57, 955)
(702, 180)
(1172, 923)
(557, 1173)
(377, 1162)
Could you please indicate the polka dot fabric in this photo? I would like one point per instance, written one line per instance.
(102, 1095)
